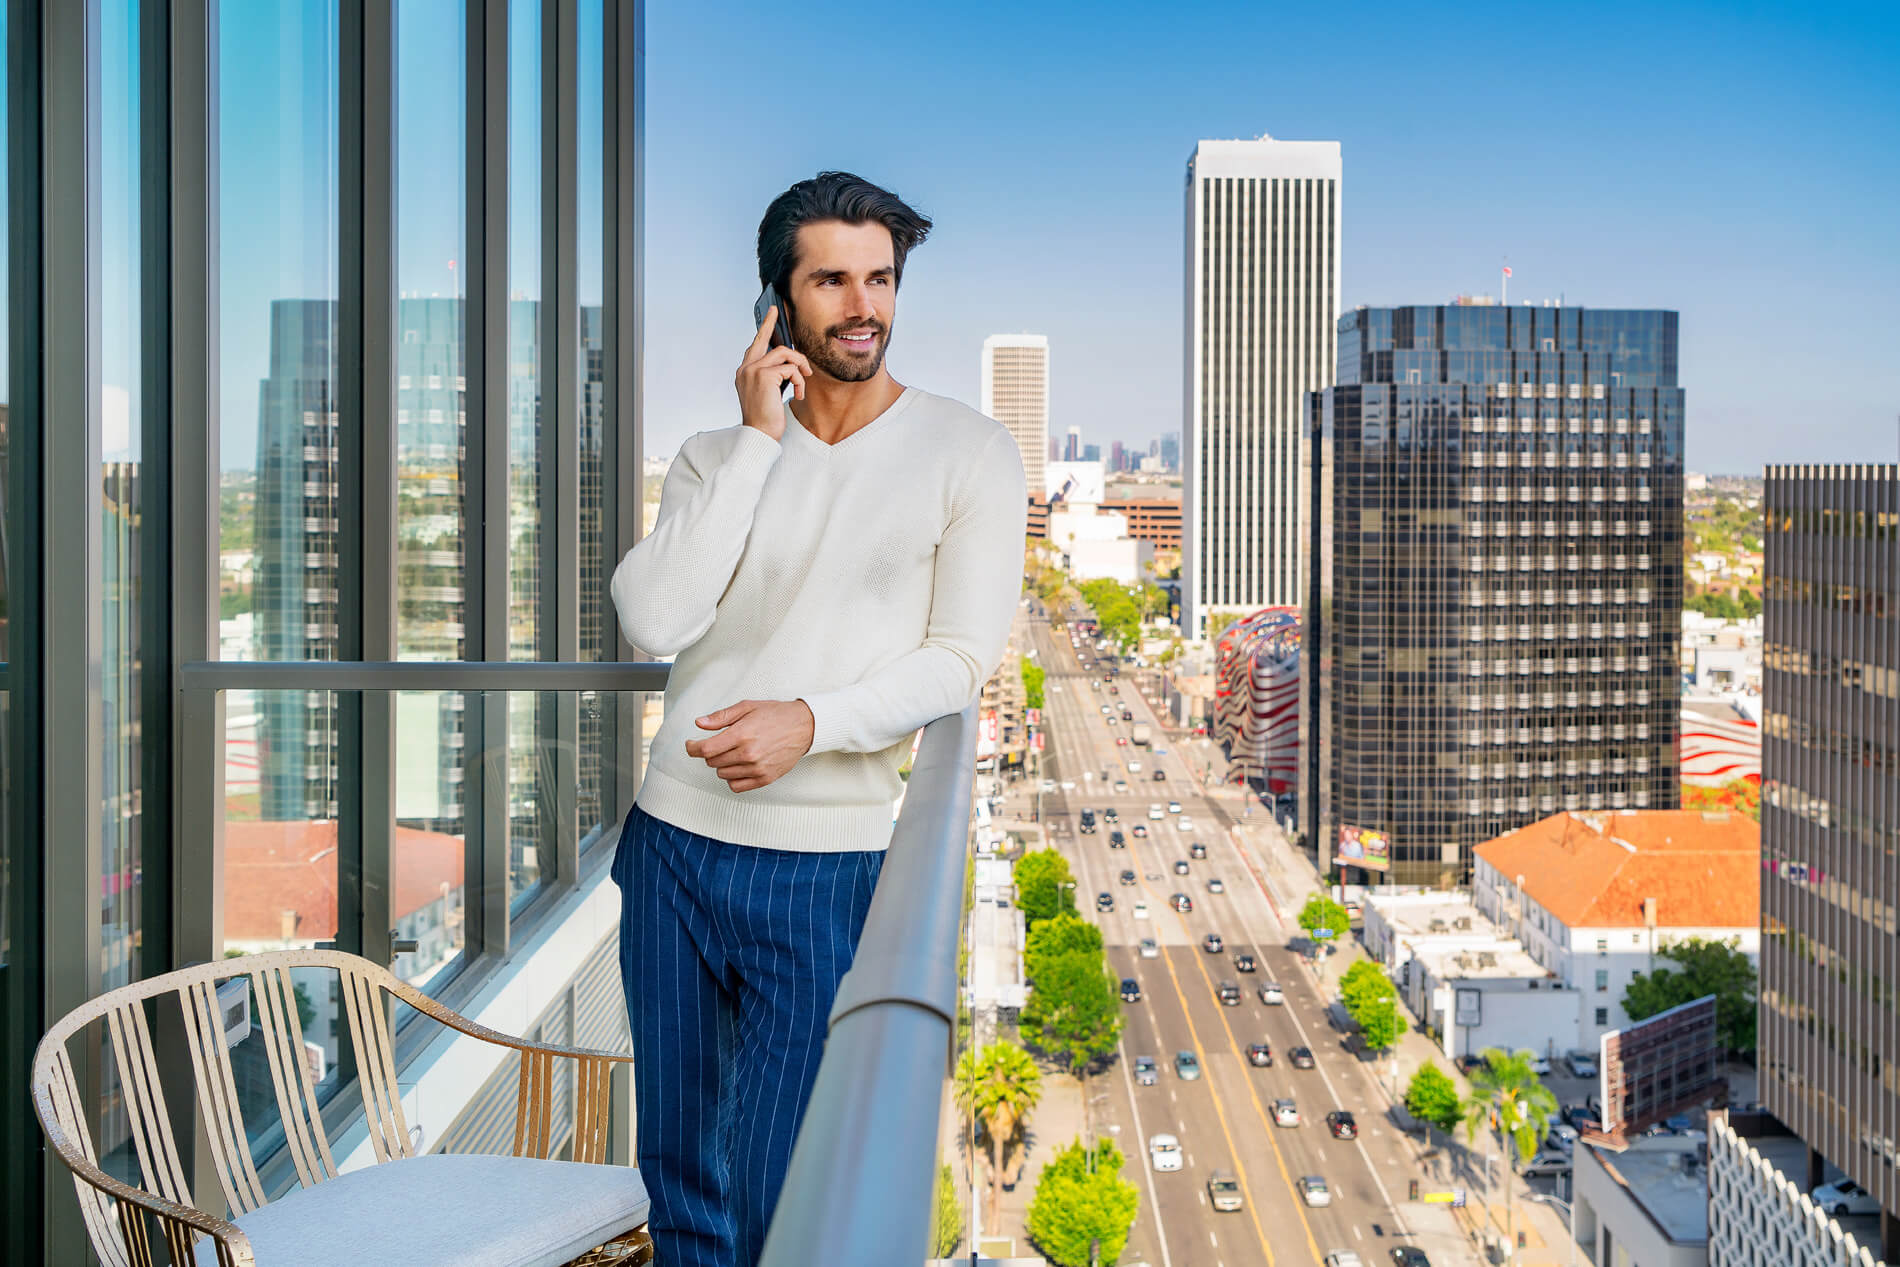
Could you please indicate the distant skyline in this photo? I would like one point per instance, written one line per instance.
(1739, 168)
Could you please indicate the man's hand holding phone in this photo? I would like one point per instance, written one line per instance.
(762, 377)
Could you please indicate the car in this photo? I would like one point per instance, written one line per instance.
(1174, 807)
(1164, 1152)
(1111, 815)
(1141, 910)
(1149, 948)
(1184, 823)
(1469, 1063)
(1260, 1055)
(1678, 1123)
(1343, 1258)
(1244, 961)
(1302, 1057)
(1844, 1196)
(1580, 1117)
(1214, 885)
(1160, 775)
(1126, 877)
(1048, 785)
(1212, 944)
(1127, 716)
(1104, 901)
(1146, 1075)
(1113, 689)
(1562, 1138)
(1313, 1190)
(1187, 1066)
(1121, 741)
(1088, 822)
(1110, 719)
(1106, 710)
(1341, 1124)
(1155, 814)
(1131, 990)
(1197, 850)
(1582, 1064)
(1286, 1113)
(1141, 831)
(1134, 767)
(1547, 1164)
(1180, 866)
(1271, 994)
(1223, 1191)
(1228, 993)
(1352, 908)
(1182, 903)
(1121, 785)
(1409, 1256)
(1116, 840)
(1540, 1066)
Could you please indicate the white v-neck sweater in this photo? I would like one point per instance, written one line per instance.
(875, 579)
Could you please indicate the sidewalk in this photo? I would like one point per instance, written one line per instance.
(1054, 1124)
(1290, 877)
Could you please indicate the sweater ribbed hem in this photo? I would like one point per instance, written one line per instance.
(730, 817)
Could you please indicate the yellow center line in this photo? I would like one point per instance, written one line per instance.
(1253, 1204)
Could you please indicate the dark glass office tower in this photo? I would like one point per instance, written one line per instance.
(1496, 590)
(1830, 818)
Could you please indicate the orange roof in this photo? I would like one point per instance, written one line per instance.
(1593, 870)
(273, 868)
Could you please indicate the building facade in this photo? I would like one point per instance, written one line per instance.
(1830, 1016)
(1016, 394)
(1262, 295)
(1496, 521)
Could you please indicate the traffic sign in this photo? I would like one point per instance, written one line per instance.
(1322, 932)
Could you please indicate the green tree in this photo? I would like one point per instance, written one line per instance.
(1705, 967)
(1033, 677)
(1077, 1203)
(1507, 1097)
(996, 1089)
(1320, 912)
(1062, 934)
(946, 1223)
(1432, 1097)
(1074, 1011)
(1381, 1024)
(1040, 877)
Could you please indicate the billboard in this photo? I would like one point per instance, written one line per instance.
(1470, 1012)
(1657, 1067)
(1363, 847)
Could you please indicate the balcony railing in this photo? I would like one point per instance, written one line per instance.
(863, 1171)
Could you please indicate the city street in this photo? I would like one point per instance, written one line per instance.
(1225, 1118)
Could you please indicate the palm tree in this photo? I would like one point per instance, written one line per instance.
(1507, 1097)
(997, 1087)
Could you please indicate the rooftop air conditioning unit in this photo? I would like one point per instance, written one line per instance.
(1463, 922)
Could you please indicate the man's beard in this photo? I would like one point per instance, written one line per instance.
(824, 353)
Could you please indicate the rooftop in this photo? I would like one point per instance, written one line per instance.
(286, 871)
(1662, 1175)
(1505, 960)
(1432, 914)
(1594, 870)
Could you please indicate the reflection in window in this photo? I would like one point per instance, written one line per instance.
(427, 888)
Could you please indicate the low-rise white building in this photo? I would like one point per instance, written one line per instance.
(1647, 1206)
(1595, 897)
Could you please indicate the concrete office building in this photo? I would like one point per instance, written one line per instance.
(1497, 530)
(1016, 394)
(1830, 959)
(1262, 294)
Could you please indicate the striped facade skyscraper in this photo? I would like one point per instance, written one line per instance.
(1016, 394)
(1262, 295)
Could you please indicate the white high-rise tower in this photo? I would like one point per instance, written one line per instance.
(1262, 303)
(1016, 394)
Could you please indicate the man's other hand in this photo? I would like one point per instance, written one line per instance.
(758, 741)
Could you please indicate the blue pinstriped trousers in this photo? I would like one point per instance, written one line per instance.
(730, 957)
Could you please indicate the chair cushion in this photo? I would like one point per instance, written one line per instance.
(467, 1209)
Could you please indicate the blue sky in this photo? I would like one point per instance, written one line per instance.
(1738, 163)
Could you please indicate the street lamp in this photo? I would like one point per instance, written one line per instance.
(1570, 1232)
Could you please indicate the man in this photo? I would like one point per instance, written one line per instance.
(833, 572)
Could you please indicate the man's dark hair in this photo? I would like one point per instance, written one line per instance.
(833, 196)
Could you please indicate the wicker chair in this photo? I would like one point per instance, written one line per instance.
(520, 1211)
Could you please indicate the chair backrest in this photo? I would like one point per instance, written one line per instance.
(62, 1113)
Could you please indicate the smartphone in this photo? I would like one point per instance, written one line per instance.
(782, 332)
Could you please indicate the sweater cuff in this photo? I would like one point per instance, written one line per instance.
(754, 450)
(830, 721)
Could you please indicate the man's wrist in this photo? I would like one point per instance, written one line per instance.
(811, 724)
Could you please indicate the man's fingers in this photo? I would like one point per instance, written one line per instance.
(763, 339)
(725, 716)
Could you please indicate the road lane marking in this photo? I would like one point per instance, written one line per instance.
(1141, 1141)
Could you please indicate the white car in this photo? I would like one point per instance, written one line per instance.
(1048, 785)
(1285, 1113)
(1149, 950)
(1184, 823)
(1164, 1152)
(1271, 994)
(1154, 813)
(1141, 910)
(1539, 1066)
(1313, 1190)
(1344, 1258)
(1174, 807)
(1844, 1196)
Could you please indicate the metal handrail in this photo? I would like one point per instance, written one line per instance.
(863, 1173)
(423, 675)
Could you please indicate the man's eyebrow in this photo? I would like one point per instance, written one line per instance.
(820, 274)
